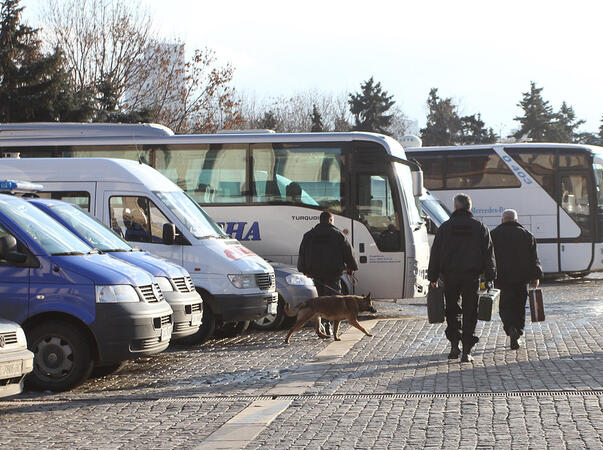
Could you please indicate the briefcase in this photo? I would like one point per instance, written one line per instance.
(435, 304)
(536, 305)
(487, 305)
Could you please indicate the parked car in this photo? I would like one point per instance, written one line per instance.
(15, 360)
(293, 288)
(174, 281)
(76, 306)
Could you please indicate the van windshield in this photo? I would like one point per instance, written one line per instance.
(53, 237)
(93, 231)
(191, 215)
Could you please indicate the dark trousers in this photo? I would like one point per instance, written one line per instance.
(512, 307)
(328, 287)
(461, 314)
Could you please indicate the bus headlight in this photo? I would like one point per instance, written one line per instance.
(118, 293)
(242, 281)
(298, 279)
(164, 284)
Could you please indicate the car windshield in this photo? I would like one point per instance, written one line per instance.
(53, 237)
(93, 231)
(191, 215)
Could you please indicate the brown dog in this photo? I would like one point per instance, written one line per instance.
(332, 307)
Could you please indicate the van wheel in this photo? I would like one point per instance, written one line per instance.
(271, 321)
(62, 356)
(231, 329)
(206, 330)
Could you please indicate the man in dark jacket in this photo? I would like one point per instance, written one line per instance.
(461, 251)
(324, 254)
(518, 264)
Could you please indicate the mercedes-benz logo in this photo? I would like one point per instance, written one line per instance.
(2, 341)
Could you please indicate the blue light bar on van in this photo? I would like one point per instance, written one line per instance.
(19, 186)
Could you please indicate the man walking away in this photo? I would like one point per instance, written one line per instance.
(461, 251)
(518, 264)
(324, 254)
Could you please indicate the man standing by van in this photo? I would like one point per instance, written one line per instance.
(324, 253)
(461, 251)
(518, 264)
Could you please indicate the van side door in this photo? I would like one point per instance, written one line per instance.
(82, 194)
(14, 287)
(136, 218)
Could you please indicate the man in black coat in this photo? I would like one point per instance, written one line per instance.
(324, 253)
(461, 251)
(518, 264)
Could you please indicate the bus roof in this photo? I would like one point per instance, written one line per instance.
(535, 145)
(54, 130)
(52, 134)
(85, 170)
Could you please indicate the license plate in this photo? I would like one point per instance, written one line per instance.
(195, 320)
(166, 334)
(10, 369)
(272, 306)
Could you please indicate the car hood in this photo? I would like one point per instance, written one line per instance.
(154, 265)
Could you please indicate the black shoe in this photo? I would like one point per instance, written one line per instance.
(514, 343)
(455, 351)
(466, 357)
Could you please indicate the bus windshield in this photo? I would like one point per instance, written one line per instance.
(194, 218)
(403, 173)
(53, 237)
(91, 229)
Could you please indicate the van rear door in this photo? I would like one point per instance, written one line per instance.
(135, 217)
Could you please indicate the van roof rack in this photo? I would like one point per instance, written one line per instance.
(57, 129)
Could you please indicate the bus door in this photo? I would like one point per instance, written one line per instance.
(377, 236)
(577, 214)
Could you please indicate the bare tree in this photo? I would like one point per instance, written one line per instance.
(111, 46)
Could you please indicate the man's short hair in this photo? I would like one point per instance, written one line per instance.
(325, 216)
(509, 215)
(462, 201)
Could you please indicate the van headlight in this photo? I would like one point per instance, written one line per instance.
(164, 284)
(242, 281)
(118, 293)
(298, 279)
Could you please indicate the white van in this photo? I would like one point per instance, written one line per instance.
(152, 213)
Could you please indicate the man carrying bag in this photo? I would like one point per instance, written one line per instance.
(517, 265)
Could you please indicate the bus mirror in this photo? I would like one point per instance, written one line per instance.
(169, 233)
(417, 183)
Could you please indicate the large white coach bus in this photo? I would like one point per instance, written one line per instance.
(268, 189)
(555, 188)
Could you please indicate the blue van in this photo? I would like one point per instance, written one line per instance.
(174, 281)
(77, 307)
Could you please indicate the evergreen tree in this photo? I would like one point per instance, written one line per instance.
(317, 125)
(537, 121)
(564, 126)
(474, 131)
(443, 122)
(33, 86)
(369, 108)
(269, 121)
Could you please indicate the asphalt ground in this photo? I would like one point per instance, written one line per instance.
(396, 389)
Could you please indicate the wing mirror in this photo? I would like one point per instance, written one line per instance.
(169, 233)
(9, 251)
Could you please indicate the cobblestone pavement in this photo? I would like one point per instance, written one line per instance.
(394, 390)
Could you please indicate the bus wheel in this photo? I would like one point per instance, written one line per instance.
(231, 329)
(577, 274)
(271, 321)
(206, 330)
(62, 356)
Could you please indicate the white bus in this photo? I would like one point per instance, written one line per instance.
(555, 188)
(268, 189)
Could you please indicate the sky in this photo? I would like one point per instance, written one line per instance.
(483, 54)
